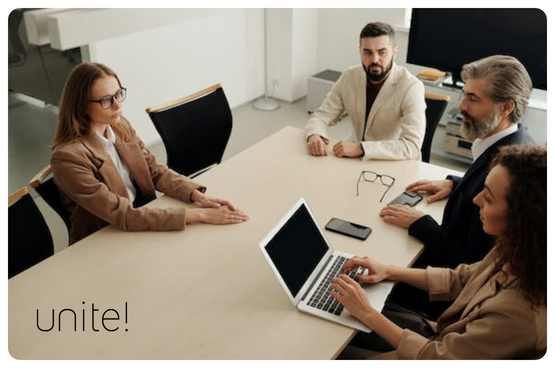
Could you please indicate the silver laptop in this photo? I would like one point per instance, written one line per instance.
(305, 263)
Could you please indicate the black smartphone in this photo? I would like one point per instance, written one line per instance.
(407, 198)
(348, 228)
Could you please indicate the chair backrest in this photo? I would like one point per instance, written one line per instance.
(49, 192)
(435, 107)
(195, 129)
(29, 239)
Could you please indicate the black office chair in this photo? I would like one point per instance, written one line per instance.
(195, 130)
(435, 107)
(49, 192)
(29, 239)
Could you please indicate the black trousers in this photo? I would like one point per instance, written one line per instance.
(418, 301)
(403, 318)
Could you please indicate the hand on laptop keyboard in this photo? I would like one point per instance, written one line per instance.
(358, 271)
(374, 271)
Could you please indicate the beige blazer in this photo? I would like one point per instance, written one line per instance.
(489, 319)
(95, 195)
(396, 123)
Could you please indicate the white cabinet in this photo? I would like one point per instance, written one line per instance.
(318, 87)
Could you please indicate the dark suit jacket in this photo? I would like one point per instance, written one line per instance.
(461, 238)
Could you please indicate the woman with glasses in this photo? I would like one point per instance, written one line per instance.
(499, 308)
(104, 171)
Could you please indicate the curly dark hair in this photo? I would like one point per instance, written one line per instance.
(523, 244)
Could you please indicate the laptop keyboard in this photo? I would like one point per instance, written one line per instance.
(321, 299)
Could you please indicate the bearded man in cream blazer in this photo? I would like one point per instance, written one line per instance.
(385, 102)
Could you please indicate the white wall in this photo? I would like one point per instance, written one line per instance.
(292, 41)
(303, 42)
(305, 51)
(339, 30)
(162, 64)
(279, 29)
(227, 46)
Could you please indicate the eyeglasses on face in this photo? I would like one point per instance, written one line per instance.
(108, 101)
(371, 176)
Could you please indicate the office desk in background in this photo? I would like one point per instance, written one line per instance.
(207, 292)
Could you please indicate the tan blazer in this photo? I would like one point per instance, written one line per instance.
(396, 123)
(94, 193)
(490, 318)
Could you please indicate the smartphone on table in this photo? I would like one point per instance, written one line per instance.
(348, 228)
(407, 198)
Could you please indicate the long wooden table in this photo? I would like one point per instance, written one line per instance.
(207, 292)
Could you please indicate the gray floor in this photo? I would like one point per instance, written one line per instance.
(32, 127)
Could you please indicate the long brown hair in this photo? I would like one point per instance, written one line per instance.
(73, 120)
(523, 244)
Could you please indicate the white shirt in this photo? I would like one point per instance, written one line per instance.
(481, 145)
(121, 166)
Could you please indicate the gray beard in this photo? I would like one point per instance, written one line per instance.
(478, 128)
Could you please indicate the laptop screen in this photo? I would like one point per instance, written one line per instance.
(296, 249)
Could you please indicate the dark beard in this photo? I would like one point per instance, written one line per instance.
(370, 77)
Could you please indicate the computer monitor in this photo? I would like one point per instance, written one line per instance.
(447, 39)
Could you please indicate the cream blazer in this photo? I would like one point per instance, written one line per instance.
(95, 195)
(489, 319)
(396, 123)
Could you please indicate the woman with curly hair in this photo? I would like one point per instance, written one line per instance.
(500, 304)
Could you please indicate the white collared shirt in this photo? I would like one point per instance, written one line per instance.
(481, 145)
(120, 165)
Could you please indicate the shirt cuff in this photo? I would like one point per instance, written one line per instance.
(439, 283)
(200, 188)
(419, 226)
(410, 345)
